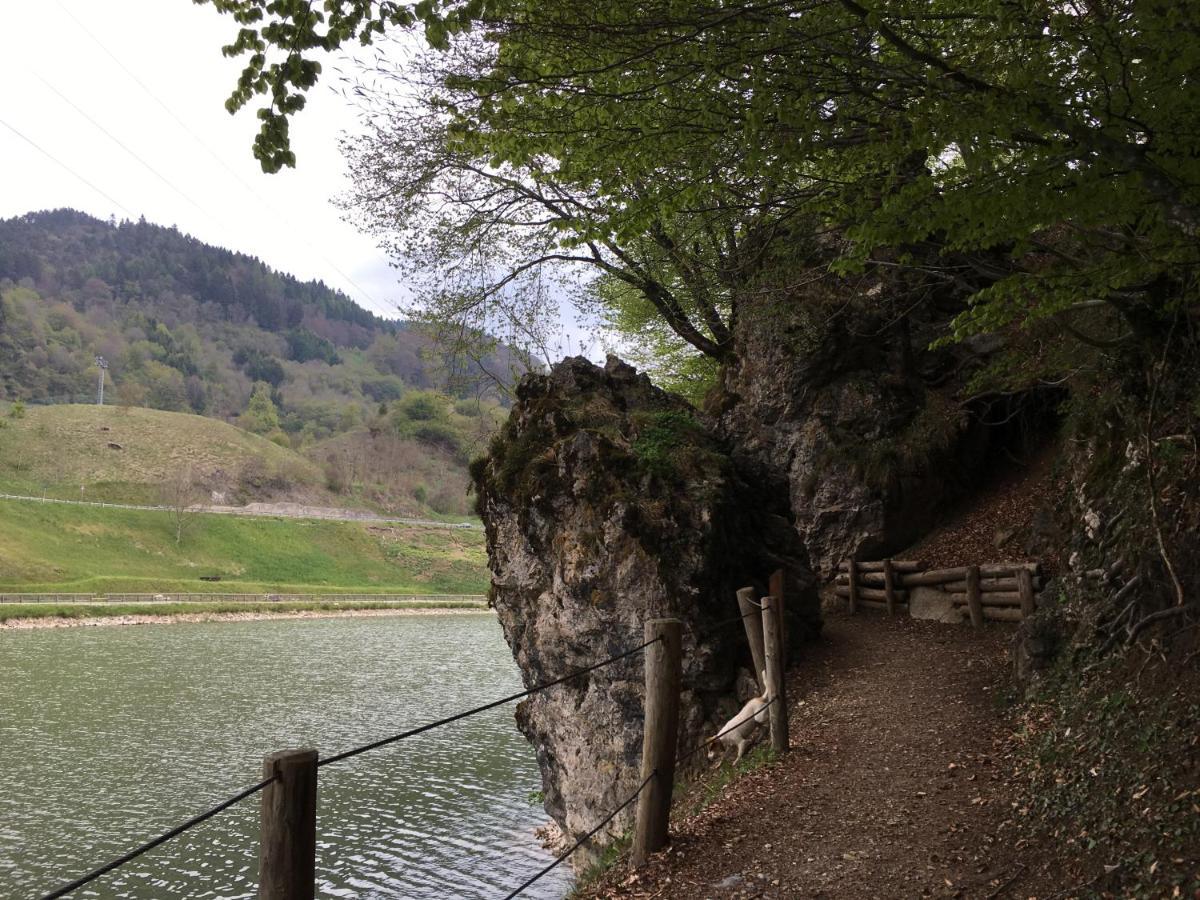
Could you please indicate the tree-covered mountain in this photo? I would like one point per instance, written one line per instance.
(190, 327)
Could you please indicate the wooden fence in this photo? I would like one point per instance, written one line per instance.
(1003, 592)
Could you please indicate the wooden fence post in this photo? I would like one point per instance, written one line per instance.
(287, 856)
(752, 619)
(1025, 588)
(889, 586)
(853, 570)
(974, 597)
(659, 737)
(775, 585)
(773, 638)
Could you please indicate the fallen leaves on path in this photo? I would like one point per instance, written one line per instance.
(894, 785)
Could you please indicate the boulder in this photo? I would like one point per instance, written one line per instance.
(608, 502)
(934, 604)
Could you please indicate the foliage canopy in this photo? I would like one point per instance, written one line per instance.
(1036, 156)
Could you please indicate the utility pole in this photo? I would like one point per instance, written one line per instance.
(103, 367)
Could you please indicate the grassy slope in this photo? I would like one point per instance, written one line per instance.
(59, 548)
(60, 448)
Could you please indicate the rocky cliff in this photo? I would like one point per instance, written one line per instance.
(608, 502)
(836, 395)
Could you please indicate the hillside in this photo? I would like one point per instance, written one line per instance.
(132, 455)
(144, 456)
(128, 455)
(189, 328)
(80, 549)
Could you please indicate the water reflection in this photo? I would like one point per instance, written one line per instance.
(109, 736)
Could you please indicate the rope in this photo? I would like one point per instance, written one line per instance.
(724, 732)
(697, 636)
(150, 845)
(724, 623)
(374, 745)
(586, 837)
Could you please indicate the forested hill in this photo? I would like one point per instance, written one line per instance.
(190, 327)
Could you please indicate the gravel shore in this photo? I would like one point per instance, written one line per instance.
(150, 619)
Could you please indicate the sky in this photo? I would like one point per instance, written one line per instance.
(117, 109)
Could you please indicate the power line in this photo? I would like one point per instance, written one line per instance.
(149, 168)
(204, 145)
(50, 156)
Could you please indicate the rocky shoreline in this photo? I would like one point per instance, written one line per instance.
(25, 624)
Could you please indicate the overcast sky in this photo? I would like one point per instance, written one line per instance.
(125, 99)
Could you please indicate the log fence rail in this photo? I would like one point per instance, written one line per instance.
(997, 591)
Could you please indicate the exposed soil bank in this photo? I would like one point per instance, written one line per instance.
(149, 619)
(897, 783)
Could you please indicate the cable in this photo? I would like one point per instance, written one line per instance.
(612, 815)
(714, 628)
(149, 168)
(203, 144)
(724, 732)
(134, 854)
(59, 162)
(374, 745)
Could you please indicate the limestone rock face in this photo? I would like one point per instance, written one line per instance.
(608, 502)
(838, 411)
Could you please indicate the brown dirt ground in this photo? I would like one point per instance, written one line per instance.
(993, 524)
(895, 786)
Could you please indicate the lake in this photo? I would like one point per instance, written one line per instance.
(109, 736)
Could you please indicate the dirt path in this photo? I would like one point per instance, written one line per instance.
(266, 510)
(895, 785)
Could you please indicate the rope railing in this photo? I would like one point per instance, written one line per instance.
(375, 745)
(724, 623)
(579, 843)
(161, 839)
(249, 792)
(724, 731)
(665, 765)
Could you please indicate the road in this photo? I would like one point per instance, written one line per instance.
(269, 510)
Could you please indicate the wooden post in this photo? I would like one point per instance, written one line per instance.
(659, 737)
(287, 856)
(853, 572)
(773, 638)
(974, 597)
(889, 586)
(752, 619)
(776, 590)
(1025, 589)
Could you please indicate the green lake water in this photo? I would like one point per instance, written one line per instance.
(110, 736)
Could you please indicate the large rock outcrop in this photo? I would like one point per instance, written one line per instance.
(839, 399)
(608, 502)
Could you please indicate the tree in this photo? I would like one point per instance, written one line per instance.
(261, 416)
(1034, 157)
(180, 494)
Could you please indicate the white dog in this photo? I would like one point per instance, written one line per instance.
(740, 731)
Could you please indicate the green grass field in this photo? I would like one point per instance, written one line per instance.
(54, 548)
